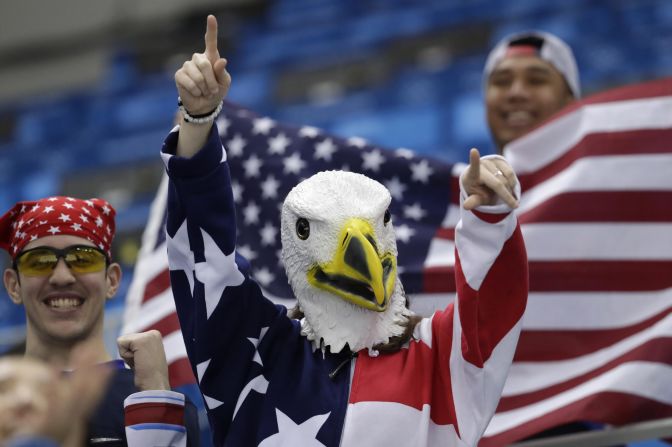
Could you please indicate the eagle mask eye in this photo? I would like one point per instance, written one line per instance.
(387, 217)
(302, 228)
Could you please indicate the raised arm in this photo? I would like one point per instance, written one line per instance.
(492, 284)
(202, 83)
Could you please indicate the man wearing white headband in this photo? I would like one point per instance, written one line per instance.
(527, 78)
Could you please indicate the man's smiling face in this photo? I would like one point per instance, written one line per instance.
(63, 306)
(521, 93)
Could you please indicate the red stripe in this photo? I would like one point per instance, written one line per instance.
(595, 276)
(157, 285)
(603, 206)
(439, 280)
(533, 345)
(573, 276)
(455, 190)
(151, 413)
(597, 407)
(446, 233)
(657, 350)
(167, 325)
(631, 142)
(180, 373)
(659, 87)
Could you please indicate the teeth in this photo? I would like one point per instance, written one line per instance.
(519, 117)
(64, 303)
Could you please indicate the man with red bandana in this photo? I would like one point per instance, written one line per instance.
(62, 274)
(528, 77)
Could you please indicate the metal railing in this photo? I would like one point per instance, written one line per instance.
(657, 429)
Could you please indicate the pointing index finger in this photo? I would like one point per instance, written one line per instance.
(211, 40)
(474, 164)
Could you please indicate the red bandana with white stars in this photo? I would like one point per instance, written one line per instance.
(91, 219)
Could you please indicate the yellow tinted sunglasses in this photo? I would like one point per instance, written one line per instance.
(41, 261)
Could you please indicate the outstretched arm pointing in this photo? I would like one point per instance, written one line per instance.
(202, 84)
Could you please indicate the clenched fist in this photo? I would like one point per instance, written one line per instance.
(144, 353)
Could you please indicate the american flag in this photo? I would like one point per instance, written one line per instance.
(595, 213)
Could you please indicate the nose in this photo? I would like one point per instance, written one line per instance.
(61, 274)
(518, 89)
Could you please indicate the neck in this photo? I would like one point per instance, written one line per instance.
(59, 352)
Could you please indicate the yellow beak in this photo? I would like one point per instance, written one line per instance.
(356, 272)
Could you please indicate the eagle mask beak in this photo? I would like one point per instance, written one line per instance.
(356, 272)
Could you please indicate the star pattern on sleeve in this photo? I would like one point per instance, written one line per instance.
(217, 272)
(180, 256)
(291, 433)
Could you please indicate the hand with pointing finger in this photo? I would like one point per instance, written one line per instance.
(487, 181)
(203, 81)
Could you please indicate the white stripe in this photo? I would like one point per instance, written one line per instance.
(151, 312)
(598, 241)
(150, 261)
(526, 377)
(441, 253)
(173, 343)
(645, 379)
(593, 310)
(645, 172)
(425, 304)
(579, 241)
(405, 426)
(476, 391)
(559, 136)
(155, 396)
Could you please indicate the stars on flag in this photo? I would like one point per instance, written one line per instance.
(325, 149)
(269, 188)
(251, 213)
(414, 212)
(421, 171)
(373, 160)
(268, 234)
(234, 147)
(252, 166)
(278, 144)
(262, 126)
(293, 164)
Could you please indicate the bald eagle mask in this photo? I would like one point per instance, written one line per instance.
(340, 255)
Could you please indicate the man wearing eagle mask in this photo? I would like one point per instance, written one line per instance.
(358, 368)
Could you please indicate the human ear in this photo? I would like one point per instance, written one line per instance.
(12, 285)
(113, 279)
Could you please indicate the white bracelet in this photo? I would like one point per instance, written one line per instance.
(199, 119)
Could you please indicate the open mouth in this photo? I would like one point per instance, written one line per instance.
(519, 118)
(63, 303)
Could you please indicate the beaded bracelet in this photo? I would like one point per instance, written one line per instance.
(202, 118)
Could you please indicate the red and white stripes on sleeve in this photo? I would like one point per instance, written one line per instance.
(155, 418)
